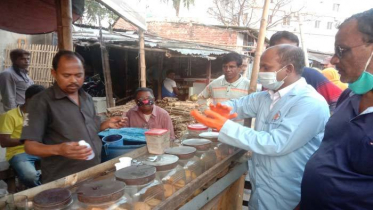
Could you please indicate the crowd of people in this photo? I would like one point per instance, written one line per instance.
(311, 147)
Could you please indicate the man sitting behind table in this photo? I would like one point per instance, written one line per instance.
(11, 124)
(147, 115)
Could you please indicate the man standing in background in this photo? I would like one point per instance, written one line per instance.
(169, 87)
(14, 80)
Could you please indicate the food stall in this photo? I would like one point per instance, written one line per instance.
(148, 183)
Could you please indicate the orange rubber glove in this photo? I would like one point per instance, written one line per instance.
(223, 110)
(212, 119)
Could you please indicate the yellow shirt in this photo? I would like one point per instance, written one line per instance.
(11, 123)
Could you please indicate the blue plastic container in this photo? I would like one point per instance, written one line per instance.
(116, 149)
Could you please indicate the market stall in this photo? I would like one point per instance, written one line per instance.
(145, 186)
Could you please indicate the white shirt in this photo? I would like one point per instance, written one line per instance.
(147, 117)
(169, 84)
(276, 96)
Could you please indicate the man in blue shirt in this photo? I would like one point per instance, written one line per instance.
(290, 122)
(340, 174)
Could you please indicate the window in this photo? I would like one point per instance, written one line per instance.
(269, 18)
(336, 7)
(330, 25)
(317, 24)
(286, 21)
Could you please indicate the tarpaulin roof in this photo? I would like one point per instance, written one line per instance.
(33, 16)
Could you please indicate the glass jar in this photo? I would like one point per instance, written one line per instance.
(168, 171)
(192, 165)
(221, 150)
(103, 194)
(204, 151)
(144, 190)
(157, 140)
(53, 199)
(195, 129)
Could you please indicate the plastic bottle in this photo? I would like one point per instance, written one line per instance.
(84, 143)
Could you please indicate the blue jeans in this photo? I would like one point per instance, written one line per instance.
(24, 165)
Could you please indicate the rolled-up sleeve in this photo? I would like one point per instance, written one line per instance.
(35, 120)
(294, 131)
(8, 90)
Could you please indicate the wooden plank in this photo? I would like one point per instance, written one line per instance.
(107, 77)
(78, 177)
(188, 190)
(232, 198)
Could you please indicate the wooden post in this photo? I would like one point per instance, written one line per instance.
(106, 70)
(303, 41)
(142, 58)
(160, 76)
(64, 24)
(208, 72)
(259, 48)
(126, 72)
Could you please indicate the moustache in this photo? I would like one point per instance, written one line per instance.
(73, 85)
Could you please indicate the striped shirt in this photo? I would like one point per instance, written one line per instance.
(220, 90)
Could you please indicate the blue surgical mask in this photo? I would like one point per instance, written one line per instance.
(365, 82)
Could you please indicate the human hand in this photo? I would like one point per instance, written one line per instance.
(212, 119)
(223, 110)
(73, 150)
(115, 122)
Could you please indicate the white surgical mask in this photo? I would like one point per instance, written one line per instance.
(269, 79)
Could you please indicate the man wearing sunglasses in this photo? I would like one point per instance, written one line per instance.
(340, 174)
(147, 115)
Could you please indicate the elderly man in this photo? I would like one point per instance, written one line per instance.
(14, 80)
(314, 78)
(340, 174)
(147, 115)
(60, 117)
(290, 121)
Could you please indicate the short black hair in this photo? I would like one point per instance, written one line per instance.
(170, 72)
(232, 57)
(283, 35)
(290, 54)
(143, 89)
(67, 54)
(364, 24)
(17, 53)
(33, 90)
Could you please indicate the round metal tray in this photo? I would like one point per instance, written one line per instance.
(199, 144)
(55, 198)
(163, 162)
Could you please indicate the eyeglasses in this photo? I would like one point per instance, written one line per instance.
(339, 51)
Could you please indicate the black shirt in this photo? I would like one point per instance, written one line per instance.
(53, 118)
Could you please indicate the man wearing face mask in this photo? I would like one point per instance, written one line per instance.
(147, 115)
(340, 174)
(290, 121)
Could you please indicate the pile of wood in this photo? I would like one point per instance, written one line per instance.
(119, 110)
(179, 112)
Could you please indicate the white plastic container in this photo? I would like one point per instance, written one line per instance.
(84, 143)
(157, 140)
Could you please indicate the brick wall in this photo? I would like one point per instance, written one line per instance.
(187, 32)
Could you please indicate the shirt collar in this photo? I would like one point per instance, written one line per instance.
(281, 93)
(154, 112)
(234, 84)
(58, 93)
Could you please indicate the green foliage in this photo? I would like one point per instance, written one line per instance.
(176, 4)
(94, 11)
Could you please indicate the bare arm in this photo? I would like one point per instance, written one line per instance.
(70, 150)
(6, 141)
(176, 90)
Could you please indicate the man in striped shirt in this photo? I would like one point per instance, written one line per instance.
(231, 85)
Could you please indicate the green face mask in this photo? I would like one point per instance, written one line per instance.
(365, 82)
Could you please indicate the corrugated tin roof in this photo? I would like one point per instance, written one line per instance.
(184, 48)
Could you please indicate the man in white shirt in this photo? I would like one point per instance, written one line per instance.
(169, 88)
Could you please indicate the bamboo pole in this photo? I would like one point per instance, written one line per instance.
(142, 59)
(303, 41)
(259, 48)
(64, 24)
(208, 72)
